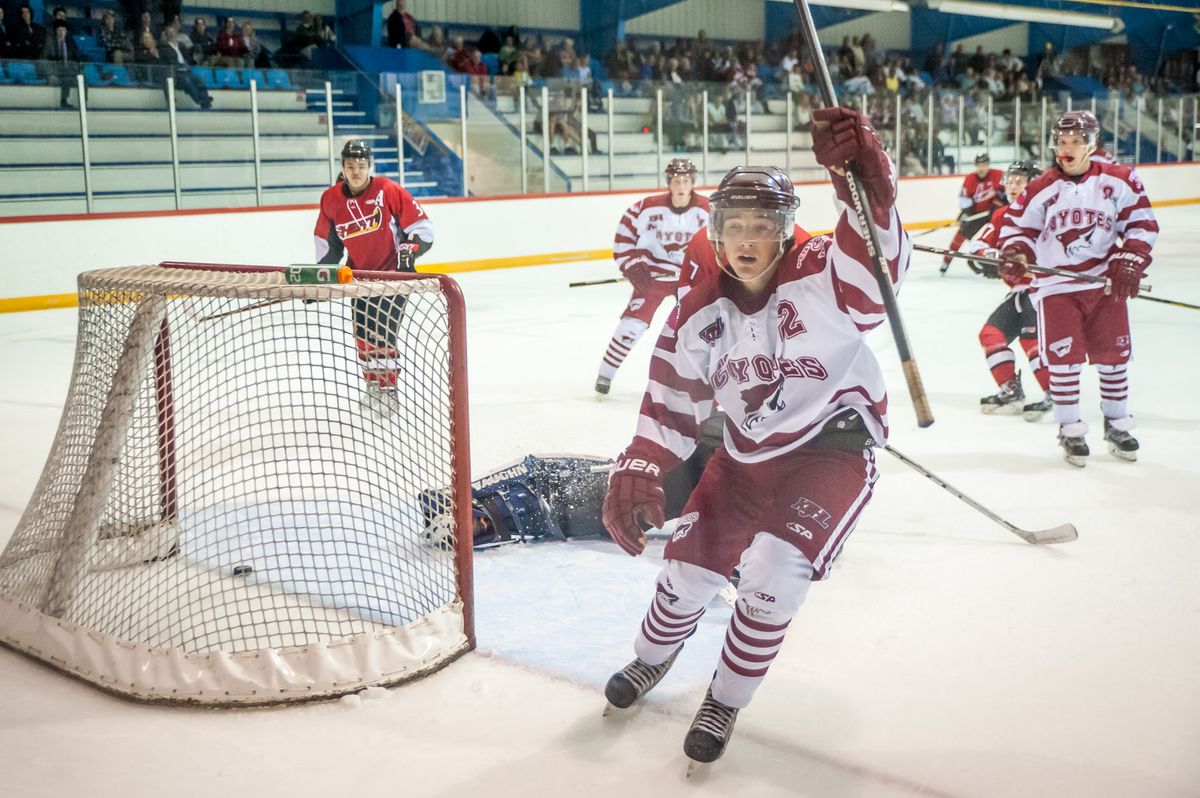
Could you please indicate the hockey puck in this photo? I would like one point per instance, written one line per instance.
(242, 570)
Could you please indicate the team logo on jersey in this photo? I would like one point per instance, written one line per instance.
(667, 596)
(1108, 192)
(768, 395)
(684, 526)
(712, 332)
(635, 304)
(361, 222)
(1076, 240)
(807, 508)
(1062, 346)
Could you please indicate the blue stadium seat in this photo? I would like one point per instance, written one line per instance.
(92, 76)
(24, 72)
(117, 75)
(254, 74)
(4, 78)
(90, 49)
(225, 78)
(205, 76)
(492, 62)
(278, 79)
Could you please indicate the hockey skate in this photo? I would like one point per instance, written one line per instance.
(1121, 444)
(1034, 411)
(710, 732)
(602, 386)
(945, 267)
(1005, 402)
(381, 401)
(1075, 449)
(629, 684)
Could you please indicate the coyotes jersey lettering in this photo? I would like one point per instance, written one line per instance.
(978, 195)
(699, 261)
(779, 368)
(1077, 223)
(653, 233)
(368, 226)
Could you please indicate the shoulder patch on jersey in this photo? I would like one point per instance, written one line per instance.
(712, 332)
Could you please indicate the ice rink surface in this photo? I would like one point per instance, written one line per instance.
(943, 657)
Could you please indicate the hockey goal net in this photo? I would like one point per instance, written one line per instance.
(230, 512)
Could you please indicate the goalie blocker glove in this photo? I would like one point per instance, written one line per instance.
(635, 500)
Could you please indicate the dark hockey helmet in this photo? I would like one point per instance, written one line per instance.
(766, 189)
(680, 167)
(1082, 123)
(1027, 169)
(357, 148)
(982, 158)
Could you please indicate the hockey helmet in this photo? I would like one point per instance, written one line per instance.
(982, 158)
(681, 167)
(1082, 123)
(763, 188)
(1027, 169)
(357, 148)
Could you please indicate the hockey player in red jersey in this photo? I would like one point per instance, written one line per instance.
(1016, 317)
(1094, 219)
(981, 194)
(379, 227)
(648, 248)
(777, 339)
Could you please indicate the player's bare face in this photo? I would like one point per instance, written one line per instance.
(1014, 185)
(752, 243)
(357, 172)
(680, 187)
(1073, 153)
(981, 170)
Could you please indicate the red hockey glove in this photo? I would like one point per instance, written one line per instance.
(1125, 270)
(634, 502)
(406, 256)
(1012, 265)
(638, 274)
(843, 136)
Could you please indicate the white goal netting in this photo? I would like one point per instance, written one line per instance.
(237, 507)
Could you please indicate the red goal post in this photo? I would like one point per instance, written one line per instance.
(230, 513)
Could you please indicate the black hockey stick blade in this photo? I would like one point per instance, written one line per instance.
(582, 283)
(1064, 533)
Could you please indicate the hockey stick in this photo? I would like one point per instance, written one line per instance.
(1064, 533)
(596, 282)
(959, 221)
(866, 223)
(1143, 289)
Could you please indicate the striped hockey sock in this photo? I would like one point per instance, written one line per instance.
(1000, 359)
(624, 338)
(1114, 391)
(1064, 392)
(750, 648)
(663, 630)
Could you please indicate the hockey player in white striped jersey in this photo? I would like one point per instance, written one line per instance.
(777, 339)
(1093, 218)
(648, 248)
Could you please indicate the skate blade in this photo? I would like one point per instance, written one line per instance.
(1034, 416)
(1076, 460)
(1000, 410)
(608, 710)
(697, 769)
(1129, 457)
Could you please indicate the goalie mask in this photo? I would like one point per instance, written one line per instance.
(752, 204)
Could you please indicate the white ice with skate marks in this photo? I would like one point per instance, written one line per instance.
(943, 657)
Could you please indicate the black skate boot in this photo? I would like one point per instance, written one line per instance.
(602, 385)
(1034, 411)
(1120, 444)
(710, 731)
(1007, 401)
(635, 680)
(1075, 450)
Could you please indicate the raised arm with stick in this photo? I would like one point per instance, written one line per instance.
(862, 209)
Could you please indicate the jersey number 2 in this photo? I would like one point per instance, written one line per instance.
(789, 320)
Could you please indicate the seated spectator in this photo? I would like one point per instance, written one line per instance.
(479, 72)
(459, 58)
(256, 55)
(309, 35)
(173, 56)
(489, 41)
(62, 59)
(231, 48)
(25, 37)
(145, 54)
(182, 37)
(508, 56)
(803, 111)
(145, 25)
(520, 73)
(111, 36)
(203, 45)
(402, 27)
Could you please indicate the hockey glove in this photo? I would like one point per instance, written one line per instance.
(1012, 265)
(406, 256)
(634, 502)
(1125, 270)
(842, 137)
(638, 275)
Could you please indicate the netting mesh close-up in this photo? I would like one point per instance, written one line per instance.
(238, 472)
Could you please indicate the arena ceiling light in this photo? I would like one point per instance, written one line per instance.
(1027, 14)
(861, 5)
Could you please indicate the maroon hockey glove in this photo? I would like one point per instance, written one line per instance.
(1125, 270)
(843, 136)
(406, 256)
(638, 275)
(634, 502)
(1012, 265)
